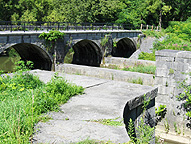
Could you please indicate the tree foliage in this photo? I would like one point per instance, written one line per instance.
(121, 11)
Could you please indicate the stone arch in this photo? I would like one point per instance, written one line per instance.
(33, 52)
(87, 52)
(125, 48)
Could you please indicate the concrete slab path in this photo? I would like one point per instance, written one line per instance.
(103, 99)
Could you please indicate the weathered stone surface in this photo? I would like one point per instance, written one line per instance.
(170, 66)
(106, 73)
(122, 62)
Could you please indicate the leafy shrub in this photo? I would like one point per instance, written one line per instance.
(147, 56)
(185, 97)
(153, 33)
(178, 37)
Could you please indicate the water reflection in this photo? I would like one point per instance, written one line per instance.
(8, 59)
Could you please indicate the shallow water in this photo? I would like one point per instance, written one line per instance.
(7, 63)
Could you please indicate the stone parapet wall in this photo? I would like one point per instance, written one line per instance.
(170, 66)
(122, 62)
(105, 73)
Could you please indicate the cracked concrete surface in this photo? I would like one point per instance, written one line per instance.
(103, 99)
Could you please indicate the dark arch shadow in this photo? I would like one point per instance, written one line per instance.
(87, 52)
(31, 52)
(125, 48)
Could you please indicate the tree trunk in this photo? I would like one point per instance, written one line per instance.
(54, 56)
(160, 20)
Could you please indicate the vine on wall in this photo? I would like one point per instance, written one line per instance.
(51, 38)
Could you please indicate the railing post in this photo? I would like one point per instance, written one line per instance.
(147, 27)
(67, 27)
(58, 26)
(152, 27)
(6, 25)
(11, 26)
(36, 26)
(141, 27)
(24, 26)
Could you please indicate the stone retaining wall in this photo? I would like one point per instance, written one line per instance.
(105, 73)
(170, 66)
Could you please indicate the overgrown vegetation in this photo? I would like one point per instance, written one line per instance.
(154, 33)
(24, 98)
(139, 67)
(147, 56)
(185, 97)
(51, 38)
(144, 132)
(160, 113)
(178, 36)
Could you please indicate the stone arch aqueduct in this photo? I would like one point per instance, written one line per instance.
(89, 51)
(86, 44)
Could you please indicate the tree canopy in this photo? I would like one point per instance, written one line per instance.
(120, 11)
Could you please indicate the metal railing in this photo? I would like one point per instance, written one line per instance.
(67, 26)
(149, 27)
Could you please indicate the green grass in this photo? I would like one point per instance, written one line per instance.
(110, 122)
(139, 67)
(24, 98)
(137, 81)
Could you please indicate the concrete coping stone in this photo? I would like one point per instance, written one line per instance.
(135, 102)
(174, 53)
(121, 61)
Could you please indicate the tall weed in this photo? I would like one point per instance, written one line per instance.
(24, 98)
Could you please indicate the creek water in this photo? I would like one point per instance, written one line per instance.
(7, 64)
(8, 59)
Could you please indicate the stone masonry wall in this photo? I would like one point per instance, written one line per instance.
(170, 66)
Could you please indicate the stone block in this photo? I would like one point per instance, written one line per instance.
(165, 59)
(165, 90)
(161, 72)
(3, 39)
(162, 99)
(184, 54)
(182, 60)
(167, 53)
(160, 81)
(161, 64)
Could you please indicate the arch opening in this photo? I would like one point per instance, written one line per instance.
(86, 52)
(125, 48)
(31, 52)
